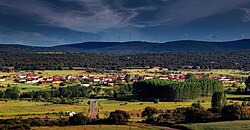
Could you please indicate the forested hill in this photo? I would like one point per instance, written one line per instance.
(172, 60)
(136, 47)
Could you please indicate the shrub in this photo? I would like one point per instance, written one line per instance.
(149, 112)
(78, 119)
(118, 117)
(197, 105)
(156, 101)
(234, 112)
(197, 115)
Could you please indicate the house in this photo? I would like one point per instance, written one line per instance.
(40, 78)
(56, 82)
(56, 77)
(163, 77)
(96, 80)
(174, 76)
(12, 75)
(83, 77)
(148, 77)
(209, 75)
(49, 80)
(108, 79)
(2, 79)
(182, 77)
(22, 80)
(70, 113)
(111, 84)
(85, 84)
(21, 76)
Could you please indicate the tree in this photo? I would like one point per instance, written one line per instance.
(149, 112)
(2, 94)
(13, 93)
(234, 112)
(62, 84)
(247, 82)
(118, 117)
(78, 119)
(156, 101)
(197, 105)
(190, 76)
(127, 78)
(218, 100)
(196, 115)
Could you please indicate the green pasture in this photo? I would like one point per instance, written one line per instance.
(99, 127)
(17, 108)
(220, 71)
(135, 108)
(225, 125)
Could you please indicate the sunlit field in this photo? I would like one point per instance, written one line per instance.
(99, 127)
(27, 108)
(135, 108)
(226, 125)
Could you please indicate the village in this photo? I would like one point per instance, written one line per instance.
(88, 79)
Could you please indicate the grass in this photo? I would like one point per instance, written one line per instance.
(99, 127)
(134, 108)
(231, 98)
(213, 71)
(226, 125)
(30, 87)
(16, 108)
(220, 71)
(59, 72)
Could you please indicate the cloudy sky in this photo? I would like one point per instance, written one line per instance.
(54, 22)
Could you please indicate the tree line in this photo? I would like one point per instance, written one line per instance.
(175, 90)
(172, 60)
(67, 93)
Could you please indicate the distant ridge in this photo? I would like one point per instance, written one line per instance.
(134, 47)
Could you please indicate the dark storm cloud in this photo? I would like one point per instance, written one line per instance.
(137, 17)
(183, 11)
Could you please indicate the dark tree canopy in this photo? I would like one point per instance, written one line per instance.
(118, 117)
(13, 93)
(176, 91)
(149, 112)
(218, 100)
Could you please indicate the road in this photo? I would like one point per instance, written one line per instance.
(93, 109)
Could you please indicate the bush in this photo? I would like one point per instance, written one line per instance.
(197, 105)
(197, 115)
(156, 101)
(234, 112)
(78, 119)
(118, 117)
(149, 112)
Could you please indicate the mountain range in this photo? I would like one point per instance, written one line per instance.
(134, 47)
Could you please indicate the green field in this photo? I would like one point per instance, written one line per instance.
(134, 108)
(100, 127)
(226, 125)
(213, 71)
(19, 108)
(220, 71)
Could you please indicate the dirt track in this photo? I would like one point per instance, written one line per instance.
(93, 109)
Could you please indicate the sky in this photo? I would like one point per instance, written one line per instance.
(56, 22)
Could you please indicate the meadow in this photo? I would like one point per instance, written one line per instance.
(135, 108)
(225, 125)
(16, 108)
(100, 127)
